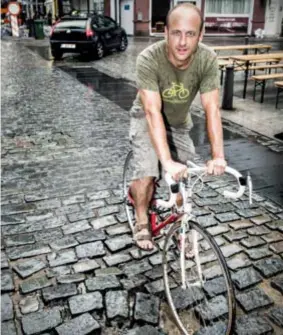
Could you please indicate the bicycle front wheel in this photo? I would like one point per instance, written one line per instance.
(203, 303)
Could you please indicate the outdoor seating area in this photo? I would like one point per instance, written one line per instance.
(258, 63)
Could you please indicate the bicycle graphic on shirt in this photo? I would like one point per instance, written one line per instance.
(176, 91)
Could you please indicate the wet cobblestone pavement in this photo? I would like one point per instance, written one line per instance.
(67, 256)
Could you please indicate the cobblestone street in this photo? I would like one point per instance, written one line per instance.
(67, 258)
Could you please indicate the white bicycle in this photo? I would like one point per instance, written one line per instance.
(197, 281)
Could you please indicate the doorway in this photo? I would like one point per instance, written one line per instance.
(127, 16)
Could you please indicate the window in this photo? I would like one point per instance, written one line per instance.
(108, 23)
(227, 6)
(72, 24)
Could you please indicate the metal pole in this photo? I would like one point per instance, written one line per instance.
(245, 52)
(227, 101)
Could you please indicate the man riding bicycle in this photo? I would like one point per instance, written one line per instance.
(169, 75)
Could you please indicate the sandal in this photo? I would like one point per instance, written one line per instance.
(140, 236)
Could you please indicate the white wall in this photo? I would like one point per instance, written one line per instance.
(273, 17)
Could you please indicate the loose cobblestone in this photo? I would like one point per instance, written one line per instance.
(92, 249)
(255, 325)
(4, 260)
(276, 225)
(246, 278)
(258, 253)
(277, 283)
(277, 248)
(241, 224)
(117, 259)
(214, 231)
(59, 291)
(27, 268)
(238, 262)
(8, 328)
(27, 251)
(136, 268)
(118, 230)
(147, 308)
(29, 304)
(62, 258)
(40, 321)
(276, 315)
(257, 231)
(76, 227)
(7, 283)
(102, 283)
(207, 221)
(103, 222)
(261, 219)
(71, 278)
(252, 242)
(33, 284)
(235, 236)
(133, 282)
(82, 215)
(90, 236)
(22, 239)
(117, 305)
(269, 267)
(63, 243)
(85, 266)
(108, 210)
(253, 300)
(215, 287)
(81, 325)
(7, 312)
(119, 243)
(226, 217)
(230, 250)
(85, 302)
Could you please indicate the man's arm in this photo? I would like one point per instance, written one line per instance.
(151, 101)
(210, 103)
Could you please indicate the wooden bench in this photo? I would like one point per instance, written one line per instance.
(261, 80)
(223, 63)
(279, 85)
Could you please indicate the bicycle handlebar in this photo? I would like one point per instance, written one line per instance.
(197, 169)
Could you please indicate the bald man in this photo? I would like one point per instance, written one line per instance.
(169, 75)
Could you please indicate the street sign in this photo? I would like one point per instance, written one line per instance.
(14, 8)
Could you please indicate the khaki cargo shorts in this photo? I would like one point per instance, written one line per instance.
(145, 161)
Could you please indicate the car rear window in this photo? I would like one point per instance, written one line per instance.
(72, 24)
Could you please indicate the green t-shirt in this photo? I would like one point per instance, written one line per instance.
(177, 88)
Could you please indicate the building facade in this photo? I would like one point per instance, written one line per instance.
(222, 17)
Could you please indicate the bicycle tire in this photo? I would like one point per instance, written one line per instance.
(130, 211)
(195, 309)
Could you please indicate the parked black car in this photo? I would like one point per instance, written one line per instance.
(83, 33)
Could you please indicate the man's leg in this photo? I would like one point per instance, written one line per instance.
(142, 192)
(145, 169)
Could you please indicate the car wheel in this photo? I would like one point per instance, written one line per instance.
(123, 43)
(99, 50)
(57, 54)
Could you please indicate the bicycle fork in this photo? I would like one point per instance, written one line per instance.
(194, 241)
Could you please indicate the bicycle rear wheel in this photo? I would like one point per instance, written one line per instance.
(206, 305)
(127, 175)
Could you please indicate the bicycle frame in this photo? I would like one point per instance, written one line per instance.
(156, 226)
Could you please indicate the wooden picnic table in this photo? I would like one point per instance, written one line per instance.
(258, 48)
(246, 60)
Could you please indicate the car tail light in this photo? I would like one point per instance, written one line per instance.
(89, 32)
